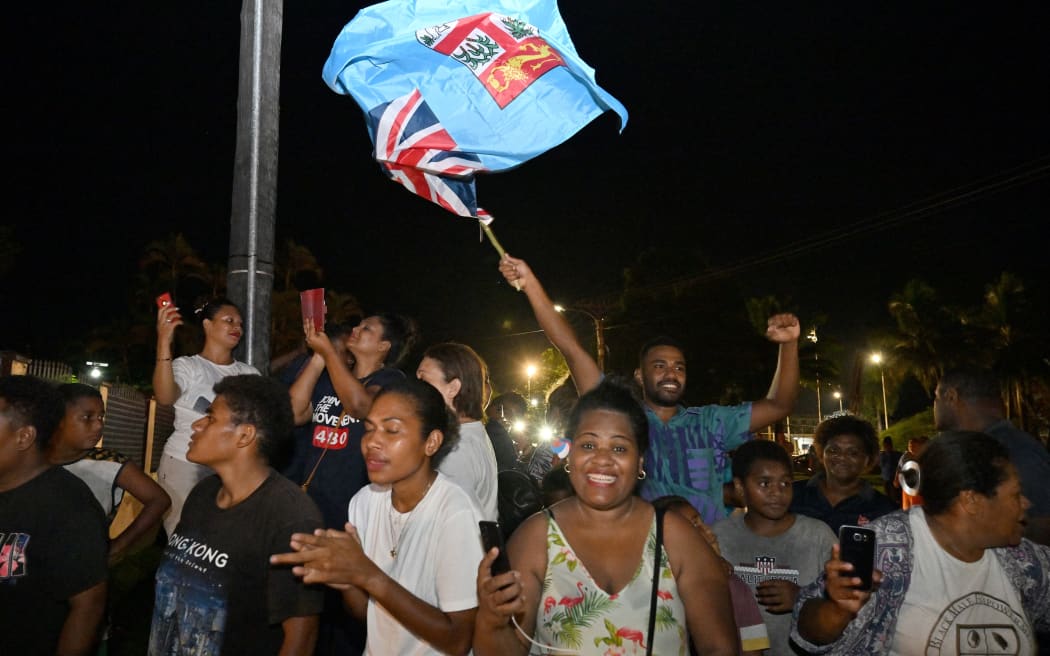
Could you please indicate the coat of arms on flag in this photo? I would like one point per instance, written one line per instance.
(451, 89)
(504, 53)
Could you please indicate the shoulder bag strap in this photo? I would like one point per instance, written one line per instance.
(306, 484)
(656, 580)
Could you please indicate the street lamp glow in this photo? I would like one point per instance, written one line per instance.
(535, 402)
(877, 359)
(96, 373)
(530, 370)
(518, 426)
(838, 397)
(599, 331)
(546, 433)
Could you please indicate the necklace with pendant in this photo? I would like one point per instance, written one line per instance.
(399, 533)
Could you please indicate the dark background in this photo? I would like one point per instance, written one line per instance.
(823, 153)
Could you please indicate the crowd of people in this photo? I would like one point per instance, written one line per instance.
(334, 507)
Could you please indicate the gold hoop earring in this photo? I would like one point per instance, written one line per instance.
(567, 470)
(641, 474)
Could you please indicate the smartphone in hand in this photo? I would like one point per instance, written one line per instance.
(492, 536)
(857, 547)
(164, 300)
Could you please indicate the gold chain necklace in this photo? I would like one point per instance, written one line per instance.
(408, 516)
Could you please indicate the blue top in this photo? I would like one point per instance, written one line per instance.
(688, 455)
(331, 443)
(856, 510)
(888, 461)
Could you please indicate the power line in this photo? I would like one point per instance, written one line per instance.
(940, 202)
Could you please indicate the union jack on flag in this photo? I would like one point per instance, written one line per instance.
(450, 89)
(415, 150)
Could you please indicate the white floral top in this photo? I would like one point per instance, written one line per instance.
(576, 614)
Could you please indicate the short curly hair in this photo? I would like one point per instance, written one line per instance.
(848, 425)
(263, 403)
(33, 402)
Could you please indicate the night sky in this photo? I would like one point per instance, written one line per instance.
(827, 152)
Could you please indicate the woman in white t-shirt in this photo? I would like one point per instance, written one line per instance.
(408, 559)
(186, 382)
(459, 374)
(953, 575)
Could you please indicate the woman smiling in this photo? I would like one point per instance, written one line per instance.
(598, 569)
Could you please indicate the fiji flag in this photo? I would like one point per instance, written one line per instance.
(453, 87)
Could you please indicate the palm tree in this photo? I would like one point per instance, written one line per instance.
(1013, 331)
(342, 308)
(924, 336)
(295, 261)
(172, 261)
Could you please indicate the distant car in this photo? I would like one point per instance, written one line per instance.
(803, 464)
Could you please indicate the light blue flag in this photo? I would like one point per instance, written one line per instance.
(452, 88)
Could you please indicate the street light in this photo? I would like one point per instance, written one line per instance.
(96, 369)
(877, 359)
(530, 371)
(599, 332)
(838, 395)
(812, 336)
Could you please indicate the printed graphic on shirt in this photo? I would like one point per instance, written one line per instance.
(980, 624)
(765, 569)
(329, 433)
(13, 556)
(190, 612)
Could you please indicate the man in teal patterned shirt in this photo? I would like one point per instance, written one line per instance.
(688, 447)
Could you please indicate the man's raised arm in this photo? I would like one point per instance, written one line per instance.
(584, 370)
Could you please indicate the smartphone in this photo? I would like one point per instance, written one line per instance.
(164, 300)
(492, 536)
(857, 547)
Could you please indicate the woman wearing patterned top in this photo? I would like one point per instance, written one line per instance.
(953, 575)
(583, 571)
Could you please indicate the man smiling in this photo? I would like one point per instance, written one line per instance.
(689, 447)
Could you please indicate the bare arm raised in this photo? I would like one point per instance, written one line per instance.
(782, 329)
(584, 370)
(356, 398)
(164, 388)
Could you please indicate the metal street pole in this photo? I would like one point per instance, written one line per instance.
(599, 333)
(812, 336)
(885, 407)
(250, 278)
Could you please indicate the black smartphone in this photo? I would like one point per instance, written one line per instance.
(857, 547)
(492, 536)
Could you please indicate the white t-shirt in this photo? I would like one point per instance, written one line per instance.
(954, 607)
(438, 547)
(472, 465)
(196, 376)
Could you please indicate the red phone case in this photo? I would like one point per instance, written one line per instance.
(164, 300)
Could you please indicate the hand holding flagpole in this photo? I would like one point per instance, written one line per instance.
(499, 248)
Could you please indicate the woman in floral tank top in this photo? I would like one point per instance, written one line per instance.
(583, 571)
